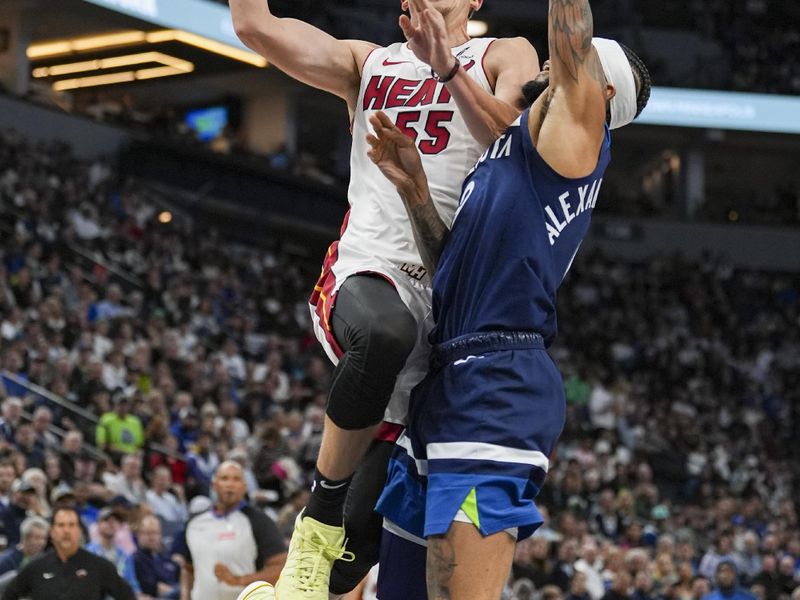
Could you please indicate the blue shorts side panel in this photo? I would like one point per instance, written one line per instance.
(401, 575)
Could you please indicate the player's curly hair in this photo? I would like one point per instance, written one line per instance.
(642, 76)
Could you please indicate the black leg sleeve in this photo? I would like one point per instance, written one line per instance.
(377, 333)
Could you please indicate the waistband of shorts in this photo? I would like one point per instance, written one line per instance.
(463, 346)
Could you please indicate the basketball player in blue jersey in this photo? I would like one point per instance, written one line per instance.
(483, 422)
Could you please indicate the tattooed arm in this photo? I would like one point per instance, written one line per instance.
(398, 159)
(430, 232)
(574, 107)
(569, 36)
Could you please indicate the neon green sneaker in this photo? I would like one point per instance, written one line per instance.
(258, 590)
(313, 550)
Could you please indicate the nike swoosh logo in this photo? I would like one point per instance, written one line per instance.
(327, 486)
(390, 63)
(466, 360)
(48, 575)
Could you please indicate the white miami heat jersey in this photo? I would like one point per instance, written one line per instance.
(395, 81)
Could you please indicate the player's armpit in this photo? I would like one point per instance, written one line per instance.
(300, 50)
(510, 63)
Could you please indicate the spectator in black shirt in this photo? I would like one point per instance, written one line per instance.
(577, 587)
(26, 444)
(68, 572)
(7, 476)
(71, 447)
(619, 587)
(769, 578)
(532, 561)
(643, 587)
(563, 570)
(11, 517)
(157, 573)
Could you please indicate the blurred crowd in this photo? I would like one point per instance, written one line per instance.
(760, 39)
(137, 353)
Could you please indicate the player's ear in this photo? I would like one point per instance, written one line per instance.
(611, 91)
(404, 5)
(475, 6)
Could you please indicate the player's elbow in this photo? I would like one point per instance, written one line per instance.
(247, 32)
(251, 31)
(266, 39)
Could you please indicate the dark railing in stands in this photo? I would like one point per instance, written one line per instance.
(74, 409)
(125, 278)
(61, 433)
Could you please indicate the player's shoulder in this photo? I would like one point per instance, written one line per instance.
(511, 50)
(361, 51)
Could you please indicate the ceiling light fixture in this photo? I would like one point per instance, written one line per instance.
(113, 78)
(115, 62)
(95, 42)
(126, 38)
(204, 43)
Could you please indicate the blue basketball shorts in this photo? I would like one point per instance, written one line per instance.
(482, 425)
(401, 575)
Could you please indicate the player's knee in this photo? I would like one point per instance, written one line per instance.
(366, 376)
(391, 340)
(380, 347)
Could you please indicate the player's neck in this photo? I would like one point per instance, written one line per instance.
(457, 34)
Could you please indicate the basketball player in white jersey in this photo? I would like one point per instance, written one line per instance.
(371, 305)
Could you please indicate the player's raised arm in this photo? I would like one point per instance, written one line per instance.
(300, 50)
(398, 159)
(575, 103)
(576, 74)
(509, 64)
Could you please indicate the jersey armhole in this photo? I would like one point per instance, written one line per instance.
(366, 60)
(483, 66)
(361, 85)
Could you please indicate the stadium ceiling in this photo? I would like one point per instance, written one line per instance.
(79, 45)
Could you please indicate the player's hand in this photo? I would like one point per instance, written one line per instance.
(426, 32)
(394, 153)
(224, 574)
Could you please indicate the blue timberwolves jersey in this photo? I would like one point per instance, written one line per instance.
(516, 232)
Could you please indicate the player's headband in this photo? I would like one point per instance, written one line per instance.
(618, 72)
